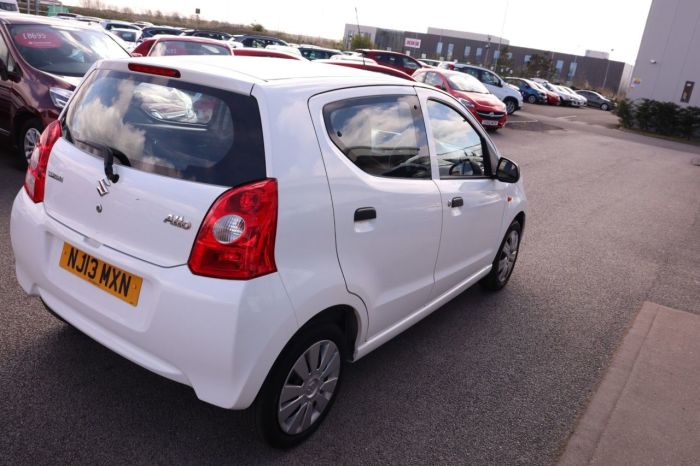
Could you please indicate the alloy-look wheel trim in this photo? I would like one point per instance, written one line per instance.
(309, 387)
(31, 138)
(509, 253)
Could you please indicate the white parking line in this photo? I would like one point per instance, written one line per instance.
(565, 117)
(523, 121)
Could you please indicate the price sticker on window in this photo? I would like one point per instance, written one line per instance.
(38, 39)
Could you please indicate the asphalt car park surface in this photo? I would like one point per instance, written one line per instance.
(488, 379)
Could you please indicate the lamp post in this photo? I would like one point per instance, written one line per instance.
(607, 67)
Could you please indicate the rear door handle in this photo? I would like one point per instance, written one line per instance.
(365, 213)
(455, 202)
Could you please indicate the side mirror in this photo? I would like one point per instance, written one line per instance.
(4, 75)
(507, 171)
(443, 87)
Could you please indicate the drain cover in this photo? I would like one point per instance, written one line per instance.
(696, 161)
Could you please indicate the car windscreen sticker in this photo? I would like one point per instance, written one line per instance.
(38, 39)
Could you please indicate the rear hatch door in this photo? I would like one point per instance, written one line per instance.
(185, 144)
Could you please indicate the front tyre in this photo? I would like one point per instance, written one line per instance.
(531, 99)
(507, 255)
(511, 105)
(28, 137)
(301, 387)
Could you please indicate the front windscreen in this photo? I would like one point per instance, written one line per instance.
(63, 50)
(466, 83)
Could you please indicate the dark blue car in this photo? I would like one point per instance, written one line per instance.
(528, 91)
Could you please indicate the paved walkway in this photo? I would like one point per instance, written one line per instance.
(647, 408)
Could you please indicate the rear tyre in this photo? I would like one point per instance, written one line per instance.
(504, 263)
(531, 99)
(511, 105)
(28, 137)
(301, 387)
(604, 107)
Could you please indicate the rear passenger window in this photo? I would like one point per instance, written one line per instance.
(457, 144)
(382, 135)
(169, 127)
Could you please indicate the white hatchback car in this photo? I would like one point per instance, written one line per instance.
(247, 226)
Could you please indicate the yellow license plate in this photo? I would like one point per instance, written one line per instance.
(113, 280)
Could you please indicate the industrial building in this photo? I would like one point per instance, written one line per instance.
(593, 70)
(668, 62)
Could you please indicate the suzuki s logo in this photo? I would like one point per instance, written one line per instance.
(177, 221)
(103, 187)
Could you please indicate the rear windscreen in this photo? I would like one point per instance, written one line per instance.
(169, 127)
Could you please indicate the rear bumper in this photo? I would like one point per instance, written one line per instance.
(219, 336)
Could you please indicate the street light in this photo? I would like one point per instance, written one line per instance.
(607, 67)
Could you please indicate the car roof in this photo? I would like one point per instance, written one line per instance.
(264, 71)
(256, 36)
(201, 40)
(14, 18)
(392, 52)
(370, 67)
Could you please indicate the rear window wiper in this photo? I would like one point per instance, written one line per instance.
(110, 154)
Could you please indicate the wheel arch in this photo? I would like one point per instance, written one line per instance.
(345, 317)
(20, 118)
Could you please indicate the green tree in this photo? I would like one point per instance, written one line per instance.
(505, 63)
(539, 66)
(625, 113)
(361, 41)
(688, 121)
(257, 27)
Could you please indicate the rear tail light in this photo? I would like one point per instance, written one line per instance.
(237, 237)
(35, 180)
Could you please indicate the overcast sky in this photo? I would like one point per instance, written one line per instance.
(561, 25)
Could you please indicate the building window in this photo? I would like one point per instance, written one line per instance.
(496, 54)
(527, 58)
(450, 49)
(572, 71)
(439, 48)
(467, 51)
(478, 52)
(509, 55)
(559, 66)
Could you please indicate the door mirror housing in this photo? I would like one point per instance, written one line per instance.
(443, 87)
(507, 171)
(3, 71)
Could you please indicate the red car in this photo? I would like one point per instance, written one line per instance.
(369, 67)
(395, 60)
(41, 62)
(486, 107)
(162, 45)
(552, 98)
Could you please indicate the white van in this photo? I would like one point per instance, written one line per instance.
(9, 6)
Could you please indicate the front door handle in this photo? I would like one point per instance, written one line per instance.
(365, 213)
(455, 202)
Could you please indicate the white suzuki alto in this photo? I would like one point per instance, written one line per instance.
(247, 226)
